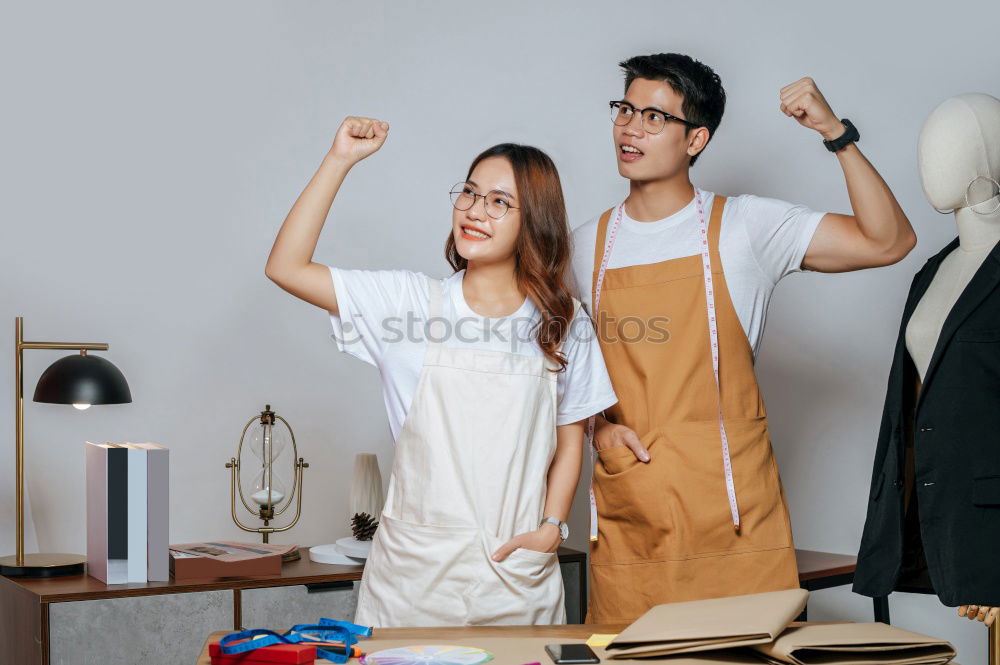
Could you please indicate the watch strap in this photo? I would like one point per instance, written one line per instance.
(850, 135)
(562, 526)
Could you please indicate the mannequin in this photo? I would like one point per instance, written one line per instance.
(958, 156)
(959, 142)
(934, 506)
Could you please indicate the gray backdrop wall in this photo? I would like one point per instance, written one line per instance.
(151, 152)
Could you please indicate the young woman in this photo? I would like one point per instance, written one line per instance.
(488, 375)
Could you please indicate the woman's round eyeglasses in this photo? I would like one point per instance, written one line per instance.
(497, 202)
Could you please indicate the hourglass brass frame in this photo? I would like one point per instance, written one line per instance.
(266, 512)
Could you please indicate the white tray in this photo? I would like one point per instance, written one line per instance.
(332, 554)
(352, 547)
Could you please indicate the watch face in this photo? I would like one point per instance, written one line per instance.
(564, 531)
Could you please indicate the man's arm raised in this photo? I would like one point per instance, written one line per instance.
(878, 233)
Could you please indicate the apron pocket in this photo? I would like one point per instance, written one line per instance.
(764, 522)
(676, 506)
(524, 589)
(533, 558)
(634, 519)
(617, 459)
(417, 573)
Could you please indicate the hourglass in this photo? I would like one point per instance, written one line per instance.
(272, 443)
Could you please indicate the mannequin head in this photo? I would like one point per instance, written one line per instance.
(959, 141)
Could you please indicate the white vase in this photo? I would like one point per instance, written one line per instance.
(366, 486)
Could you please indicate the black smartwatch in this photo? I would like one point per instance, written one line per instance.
(849, 136)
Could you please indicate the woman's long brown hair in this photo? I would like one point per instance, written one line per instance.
(542, 249)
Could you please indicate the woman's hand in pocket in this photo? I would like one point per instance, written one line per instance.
(544, 539)
(608, 435)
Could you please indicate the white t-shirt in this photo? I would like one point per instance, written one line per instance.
(382, 321)
(761, 241)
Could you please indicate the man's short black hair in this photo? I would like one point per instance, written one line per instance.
(701, 88)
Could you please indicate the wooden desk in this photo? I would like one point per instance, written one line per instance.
(823, 570)
(431, 635)
(24, 601)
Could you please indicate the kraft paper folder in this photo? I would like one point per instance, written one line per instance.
(856, 644)
(702, 625)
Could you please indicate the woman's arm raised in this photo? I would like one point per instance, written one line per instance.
(290, 264)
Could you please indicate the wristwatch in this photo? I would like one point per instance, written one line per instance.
(849, 136)
(563, 527)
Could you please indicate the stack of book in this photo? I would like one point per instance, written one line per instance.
(226, 558)
(128, 512)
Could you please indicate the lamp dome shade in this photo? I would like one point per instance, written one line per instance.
(80, 379)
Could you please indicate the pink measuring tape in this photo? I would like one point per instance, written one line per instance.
(713, 333)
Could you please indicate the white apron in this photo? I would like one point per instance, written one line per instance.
(469, 473)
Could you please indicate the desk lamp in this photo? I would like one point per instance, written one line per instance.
(80, 380)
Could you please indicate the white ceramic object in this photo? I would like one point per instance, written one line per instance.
(332, 554)
(352, 547)
(366, 487)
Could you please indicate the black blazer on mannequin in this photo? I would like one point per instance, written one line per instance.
(955, 425)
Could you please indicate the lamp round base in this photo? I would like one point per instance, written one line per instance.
(43, 565)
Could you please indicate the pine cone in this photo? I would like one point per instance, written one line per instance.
(364, 526)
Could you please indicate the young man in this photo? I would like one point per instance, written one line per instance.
(688, 497)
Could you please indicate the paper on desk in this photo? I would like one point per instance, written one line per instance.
(600, 639)
(229, 551)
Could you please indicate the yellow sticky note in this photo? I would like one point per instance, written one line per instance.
(600, 640)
